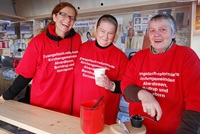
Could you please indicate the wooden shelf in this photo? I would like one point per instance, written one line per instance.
(121, 9)
(2, 31)
(124, 9)
(4, 16)
(4, 40)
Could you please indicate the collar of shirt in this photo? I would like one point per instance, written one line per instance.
(165, 50)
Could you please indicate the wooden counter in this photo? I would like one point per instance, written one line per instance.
(43, 121)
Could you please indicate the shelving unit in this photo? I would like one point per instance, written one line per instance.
(19, 33)
(39, 24)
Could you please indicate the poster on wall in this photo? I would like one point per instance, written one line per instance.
(137, 24)
(133, 26)
(129, 27)
(145, 21)
(86, 29)
(137, 20)
(197, 21)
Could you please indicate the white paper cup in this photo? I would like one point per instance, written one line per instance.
(98, 72)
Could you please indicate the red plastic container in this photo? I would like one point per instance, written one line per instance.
(92, 120)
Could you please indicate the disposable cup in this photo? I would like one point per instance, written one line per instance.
(98, 72)
(92, 119)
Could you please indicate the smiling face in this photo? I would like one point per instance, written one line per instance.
(105, 33)
(64, 21)
(160, 34)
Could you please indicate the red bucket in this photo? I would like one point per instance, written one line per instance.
(92, 120)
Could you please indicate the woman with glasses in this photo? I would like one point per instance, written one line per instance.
(49, 62)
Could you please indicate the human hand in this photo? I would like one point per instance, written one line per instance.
(105, 82)
(150, 104)
(1, 99)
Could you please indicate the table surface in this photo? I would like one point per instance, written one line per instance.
(40, 120)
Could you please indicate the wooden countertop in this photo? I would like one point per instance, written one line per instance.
(43, 121)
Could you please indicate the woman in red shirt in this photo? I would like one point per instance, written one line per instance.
(49, 62)
(100, 53)
(163, 81)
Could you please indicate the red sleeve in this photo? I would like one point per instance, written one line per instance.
(131, 74)
(123, 66)
(191, 80)
(128, 77)
(28, 63)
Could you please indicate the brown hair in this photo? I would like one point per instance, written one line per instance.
(129, 32)
(57, 9)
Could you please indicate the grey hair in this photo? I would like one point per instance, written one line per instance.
(167, 17)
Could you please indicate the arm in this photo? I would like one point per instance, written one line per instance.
(114, 84)
(137, 94)
(117, 89)
(18, 85)
(105, 82)
(190, 123)
(190, 120)
(131, 93)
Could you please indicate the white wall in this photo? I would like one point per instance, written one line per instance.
(195, 45)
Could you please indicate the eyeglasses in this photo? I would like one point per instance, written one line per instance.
(67, 16)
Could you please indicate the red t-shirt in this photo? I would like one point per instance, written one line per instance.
(85, 89)
(173, 78)
(50, 63)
